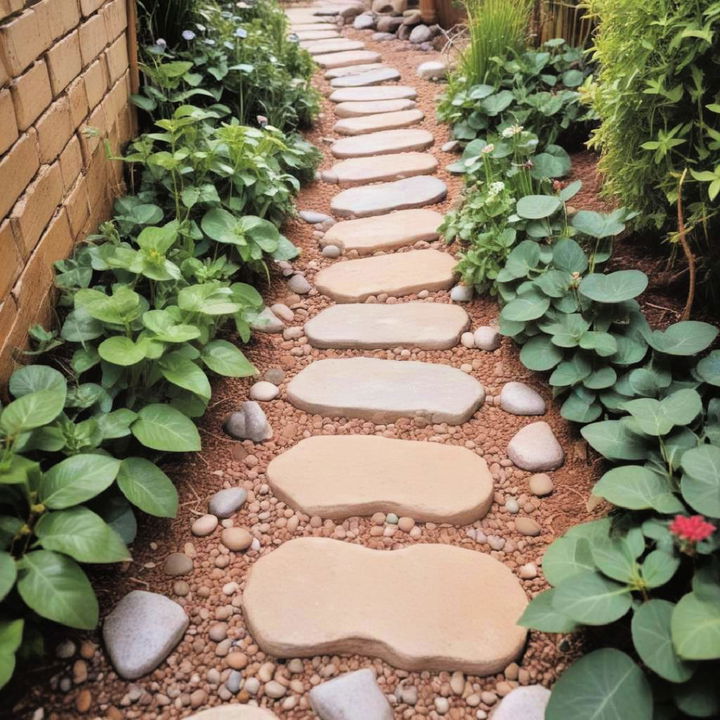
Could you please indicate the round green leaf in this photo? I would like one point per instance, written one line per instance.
(120, 350)
(162, 427)
(597, 225)
(540, 354)
(31, 378)
(566, 557)
(633, 487)
(541, 615)
(614, 557)
(77, 479)
(536, 207)
(699, 697)
(592, 599)
(695, 628)
(184, 373)
(659, 567)
(8, 573)
(700, 484)
(145, 485)
(569, 256)
(708, 368)
(10, 639)
(225, 359)
(528, 306)
(32, 410)
(683, 338)
(614, 287)
(613, 440)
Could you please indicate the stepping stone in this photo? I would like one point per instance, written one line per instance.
(319, 47)
(339, 476)
(357, 109)
(317, 34)
(317, 24)
(352, 696)
(535, 448)
(388, 232)
(375, 123)
(425, 607)
(528, 703)
(430, 326)
(349, 57)
(517, 398)
(372, 77)
(372, 93)
(385, 390)
(382, 143)
(379, 199)
(353, 70)
(397, 275)
(234, 712)
(141, 631)
(359, 171)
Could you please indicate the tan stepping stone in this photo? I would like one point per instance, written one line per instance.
(349, 57)
(317, 24)
(430, 326)
(358, 171)
(234, 712)
(381, 198)
(371, 93)
(371, 77)
(353, 70)
(317, 34)
(381, 121)
(388, 232)
(358, 109)
(382, 143)
(424, 607)
(319, 47)
(385, 390)
(339, 476)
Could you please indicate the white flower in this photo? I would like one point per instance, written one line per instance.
(487, 149)
(496, 188)
(511, 131)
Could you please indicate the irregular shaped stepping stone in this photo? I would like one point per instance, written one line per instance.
(381, 198)
(523, 703)
(382, 143)
(234, 712)
(317, 34)
(338, 476)
(430, 326)
(382, 121)
(388, 232)
(536, 448)
(372, 77)
(461, 610)
(353, 70)
(316, 25)
(397, 275)
(348, 57)
(372, 93)
(520, 399)
(141, 631)
(319, 47)
(384, 390)
(352, 696)
(358, 109)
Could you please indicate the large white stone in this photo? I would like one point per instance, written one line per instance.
(358, 109)
(340, 476)
(382, 143)
(536, 448)
(352, 696)
(320, 47)
(371, 77)
(520, 399)
(523, 703)
(317, 34)
(372, 93)
(385, 390)
(382, 121)
(234, 712)
(430, 326)
(359, 171)
(347, 57)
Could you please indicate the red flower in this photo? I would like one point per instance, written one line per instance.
(693, 528)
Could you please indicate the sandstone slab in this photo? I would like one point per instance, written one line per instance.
(234, 712)
(399, 274)
(375, 123)
(372, 93)
(304, 35)
(382, 198)
(339, 476)
(523, 703)
(314, 24)
(384, 142)
(385, 390)
(536, 448)
(352, 696)
(430, 326)
(348, 57)
(320, 47)
(358, 109)
(459, 608)
(388, 232)
(352, 70)
(371, 77)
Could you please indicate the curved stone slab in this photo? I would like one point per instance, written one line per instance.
(339, 476)
(425, 607)
(321, 47)
(348, 57)
(352, 70)
(372, 93)
(359, 171)
(385, 390)
(381, 121)
(382, 198)
(316, 24)
(430, 326)
(372, 77)
(234, 712)
(317, 34)
(382, 143)
(398, 274)
(358, 109)
(388, 232)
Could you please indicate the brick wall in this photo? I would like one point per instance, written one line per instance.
(64, 85)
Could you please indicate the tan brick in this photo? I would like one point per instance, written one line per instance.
(35, 208)
(115, 13)
(88, 7)
(116, 57)
(93, 38)
(17, 169)
(8, 7)
(71, 163)
(8, 315)
(77, 97)
(59, 16)
(22, 40)
(12, 263)
(64, 62)
(8, 123)
(54, 130)
(78, 206)
(96, 82)
(31, 94)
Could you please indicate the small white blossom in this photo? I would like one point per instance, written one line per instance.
(496, 188)
(488, 149)
(511, 131)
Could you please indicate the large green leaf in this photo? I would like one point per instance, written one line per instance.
(81, 534)
(162, 427)
(32, 378)
(695, 628)
(659, 567)
(8, 573)
(120, 308)
(598, 225)
(592, 599)
(701, 482)
(614, 287)
(537, 207)
(541, 615)
(77, 479)
(569, 256)
(567, 556)
(615, 558)
(650, 416)
(56, 588)
(225, 359)
(528, 306)
(164, 327)
(700, 696)
(10, 638)
(184, 373)
(604, 685)
(32, 410)
(637, 488)
(708, 368)
(121, 350)
(683, 338)
(612, 439)
(145, 485)
(539, 354)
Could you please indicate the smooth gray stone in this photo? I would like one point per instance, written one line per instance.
(227, 502)
(372, 77)
(523, 703)
(313, 217)
(517, 398)
(352, 696)
(249, 423)
(267, 322)
(535, 448)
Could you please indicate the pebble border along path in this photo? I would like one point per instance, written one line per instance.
(379, 516)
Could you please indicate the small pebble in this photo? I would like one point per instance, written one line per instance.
(331, 251)
(264, 391)
(540, 484)
(204, 525)
(299, 284)
(236, 538)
